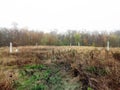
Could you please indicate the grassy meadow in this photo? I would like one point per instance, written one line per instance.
(60, 68)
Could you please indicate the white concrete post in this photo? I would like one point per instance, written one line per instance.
(108, 47)
(10, 47)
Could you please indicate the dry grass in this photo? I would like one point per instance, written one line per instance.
(103, 68)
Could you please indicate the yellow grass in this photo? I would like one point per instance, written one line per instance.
(79, 57)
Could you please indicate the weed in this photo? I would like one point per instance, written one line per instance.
(89, 88)
(97, 70)
(39, 87)
(35, 66)
(39, 79)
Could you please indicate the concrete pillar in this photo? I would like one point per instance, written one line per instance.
(108, 46)
(10, 47)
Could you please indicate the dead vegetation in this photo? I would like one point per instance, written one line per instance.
(87, 67)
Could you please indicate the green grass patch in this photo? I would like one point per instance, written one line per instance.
(38, 77)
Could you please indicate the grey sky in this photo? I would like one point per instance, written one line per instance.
(61, 14)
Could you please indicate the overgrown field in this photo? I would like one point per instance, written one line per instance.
(60, 68)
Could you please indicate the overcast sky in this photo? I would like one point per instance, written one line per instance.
(61, 14)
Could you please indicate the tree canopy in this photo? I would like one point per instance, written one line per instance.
(71, 37)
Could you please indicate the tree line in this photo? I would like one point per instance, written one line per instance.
(72, 37)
